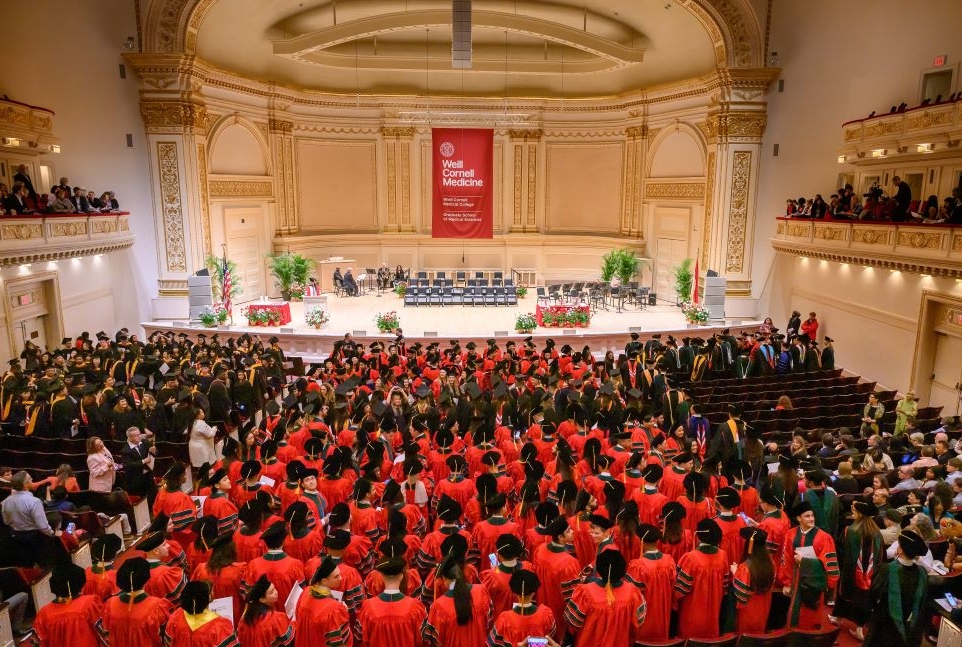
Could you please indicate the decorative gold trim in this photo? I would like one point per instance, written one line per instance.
(675, 190)
(868, 236)
(737, 126)
(58, 229)
(21, 231)
(532, 184)
(709, 202)
(241, 189)
(831, 233)
(633, 132)
(280, 126)
(738, 218)
(889, 261)
(397, 131)
(173, 114)
(204, 198)
(524, 135)
(391, 183)
(518, 181)
(10, 259)
(919, 240)
(171, 205)
(406, 184)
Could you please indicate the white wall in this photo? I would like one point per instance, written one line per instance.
(65, 55)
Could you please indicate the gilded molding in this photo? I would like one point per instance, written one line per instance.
(709, 201)
(737, 126)
(532, 183)
(883, 128)
(241, 189)
(518, 181)
(173, 114)
(391, 183)
(831, 233)
(202, 181)
(780, 228)
(406, 184)
(675, 190)
(889, 261)
(103, 226)
(852, 134)
(738, 211)
(394, 131)
(919, 240)
(21, 231)
(11, 259)
(171, 205)
(280, 126)
(524, 135)
(59, 229)
(957, 243)
(870, 236)
(929, 119)
(636, 131)
(800, 230)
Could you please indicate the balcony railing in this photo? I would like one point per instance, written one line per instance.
(29, 239)
(936, 126)
(910, 247)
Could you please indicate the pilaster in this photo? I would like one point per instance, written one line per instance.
(525, 158)
(636, 144)
(397, 153)
(282, 150)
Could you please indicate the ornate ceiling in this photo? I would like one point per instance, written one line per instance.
(521, 48)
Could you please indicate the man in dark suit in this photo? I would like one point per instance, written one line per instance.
(219, 396)
(23, 177)
(137, 458)
(350, 284)
(16, 202)
(80, 202)
(903, 198)
(728, 442)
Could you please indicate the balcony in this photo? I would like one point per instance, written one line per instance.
(925, 249)
(923, 130)
(32, 239)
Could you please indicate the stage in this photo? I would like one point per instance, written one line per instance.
(609, 329)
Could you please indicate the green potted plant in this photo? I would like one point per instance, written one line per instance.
(255, 317)
(317, 317)
(401, 289)
(684, 278)
(208, 317)
(521, 291)
(694, 313)
(387, 321)
(629, 264)
(221, 313)
(289, 269)
(525, 322)
(609, 265)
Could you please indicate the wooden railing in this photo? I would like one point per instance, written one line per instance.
(28, 239)
(925, 249)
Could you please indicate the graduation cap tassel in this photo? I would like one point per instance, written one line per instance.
(751, 543)
(609, 590)
(130, 600)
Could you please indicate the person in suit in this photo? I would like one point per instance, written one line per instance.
(350, 284)
(219, 397)
(23, 177)
(63, 186)
(16, 202)
(137, 457)
(903, 198)
(80, 202)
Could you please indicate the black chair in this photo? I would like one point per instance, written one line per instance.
(490, 298)
(542, 296)
(439, 275)
(461, 277)
(422, 296)
(411, 296)
(501, 296)
(512, 295)
(422, 275)
(499, 275)
(479, 275)
(434, 296)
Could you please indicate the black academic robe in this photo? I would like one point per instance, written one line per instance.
(897, 622)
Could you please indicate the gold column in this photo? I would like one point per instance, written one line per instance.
(524, 145)
(282, 149)
(397, 143)
(632, 191)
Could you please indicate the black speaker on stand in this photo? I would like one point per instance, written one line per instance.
(652, 298)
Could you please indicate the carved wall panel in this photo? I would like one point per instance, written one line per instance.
(738, 211)
(171, 204)
(709, 201)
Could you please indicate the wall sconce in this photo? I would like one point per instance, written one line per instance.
(924, 148)
(841, 159)
(55, 148)
(878, 152)
(11, 141)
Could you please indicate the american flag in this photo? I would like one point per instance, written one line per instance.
(226, 287)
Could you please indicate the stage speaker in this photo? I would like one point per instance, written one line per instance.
(652, 298)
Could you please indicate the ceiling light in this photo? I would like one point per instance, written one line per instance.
(924, 148)
(11, 141)
(878, 152)
(841, 159)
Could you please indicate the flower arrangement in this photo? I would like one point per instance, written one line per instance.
(525, 322)
(561, 317)
(401, 289)
(317, 317)
(209, 316)
(221, 313)
(387, 321)
(521, 291)
(256, 317)
(297, 291)
(694, 313)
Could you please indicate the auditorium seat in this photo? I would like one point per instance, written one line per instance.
(826, 638)
(411, 296)
(780, 638)
(726, 640)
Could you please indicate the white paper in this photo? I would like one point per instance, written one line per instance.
(945, 604)
(223, 607)
(337, 595)
(806, 552)
(164, 369)
(290, 606)
(199, 500)
(772, 468)
(265, 480)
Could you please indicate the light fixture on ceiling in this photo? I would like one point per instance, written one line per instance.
(924, 148)
(878, 153)
(461, 34)
(841, 159)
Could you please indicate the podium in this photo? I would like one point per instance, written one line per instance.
(712, 290)
(325, 271)
(199, 295)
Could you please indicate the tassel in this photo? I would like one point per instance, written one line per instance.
(130, 600)
(609, 590)
(751, 543)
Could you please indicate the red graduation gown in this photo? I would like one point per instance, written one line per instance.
(181, 510)
(225, 584)
(700, 586)
(495, 580)
(196, 556)
(215, 632)
(656, 572)
(442, 628)
(166, 581)
(248, 544)
(306, 547)
(334, 491)
(391, 620)
(485, 536)
(352, 585)
(789, 574)
(598, 622)
(69, 622)
(101, 584)
(677, 551)
(732, 542)
(750, 499)
(516, 624)
(777, 525)
(695, 512)
(752, 606)
(374, 583)
(220, 506)
(283, 571)
(650, 502)
(559, 572)
(672, 483)
(429, 556)
(321, 621)
(273, 629)
(139, 624)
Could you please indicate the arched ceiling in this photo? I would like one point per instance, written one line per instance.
(520, 48)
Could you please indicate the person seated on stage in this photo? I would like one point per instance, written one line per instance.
(350, 285)
(383, 277)
(337, 278)
(399, 274)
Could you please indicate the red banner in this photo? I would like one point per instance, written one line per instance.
(463, 192)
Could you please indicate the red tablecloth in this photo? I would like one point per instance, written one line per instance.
(283, 308)
(540, 311)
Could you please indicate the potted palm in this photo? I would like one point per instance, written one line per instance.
(629, 264)
(290, 270)
(609, 265)
(684, 278)
(216, 267)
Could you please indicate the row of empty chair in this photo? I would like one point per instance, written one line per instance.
(448, 295)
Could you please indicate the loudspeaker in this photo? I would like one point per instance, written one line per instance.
(652, 298)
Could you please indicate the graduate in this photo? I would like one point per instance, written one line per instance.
(774, 522)
(449, 514)
(352, 582)
(460, 616)
(606, 610)
(862, 556)
(248, 538)
(657, 572)
(487, 531)
(391, 618)
(165, 581)
(194, 625)
(897, 597)
(726, 502)
(223, 571)
(695, 501)
(219, 505)
(133, 618)
(101, 576)
(198, 551)
(525, 618)
(301, 542)
(807, 581)
(676, 540)
(176, 504)
(282, 570)
(509, 550)
(650, 501)
(320, 618)
(260, 624)
(72, 617)
(752, 582)
(410, 580)
(558, 570)
(702, 583)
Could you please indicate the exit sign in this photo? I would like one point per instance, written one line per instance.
(939, 60)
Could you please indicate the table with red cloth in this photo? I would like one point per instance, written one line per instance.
(284, 309)
(540, 311)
